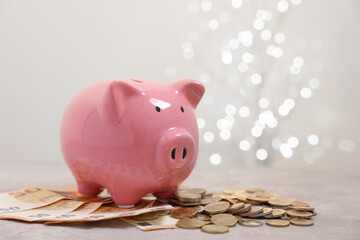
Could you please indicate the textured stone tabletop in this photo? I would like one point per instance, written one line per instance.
(335, 195)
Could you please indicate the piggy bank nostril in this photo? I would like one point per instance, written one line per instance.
(184, 153)
(173, 153)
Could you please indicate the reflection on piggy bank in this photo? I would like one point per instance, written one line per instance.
(132, 137)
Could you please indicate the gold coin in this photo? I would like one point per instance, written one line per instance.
(184, 212)
(284, 208)
(300, 204)
(254, 190)
(280, 202)
(299, 214)
(207, 195)
(241, 197)
(298, 208)
(184, 204)
(190, 223)
(285, 217)
(185, 196)
(276, 213)
(230, 200)
(277, 223)
(146, 216)
(253, 202)
(203, 217)
(258, 199)
(254, 210)
(200, 191)
(213, 228)
(224, 219)
(234, 191)
(238, 217)
(218, 207)
(291, 199)
(246, 208)
(209, 200)
(266, 195)
(236, 206)
(266, 211)
(301, 222)
(250, 223)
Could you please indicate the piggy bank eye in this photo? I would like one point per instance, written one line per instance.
(182, 109)
(157, 109)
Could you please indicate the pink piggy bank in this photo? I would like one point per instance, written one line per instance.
(132, 137)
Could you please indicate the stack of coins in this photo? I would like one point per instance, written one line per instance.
(216, 213)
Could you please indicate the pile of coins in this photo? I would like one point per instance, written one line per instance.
(190, 209)
(216, 213)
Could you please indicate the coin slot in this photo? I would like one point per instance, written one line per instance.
(135, 80)
(173, 153)
(184, 153)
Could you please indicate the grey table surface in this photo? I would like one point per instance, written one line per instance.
(335, 195)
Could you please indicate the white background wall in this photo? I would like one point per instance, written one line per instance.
(49, 50)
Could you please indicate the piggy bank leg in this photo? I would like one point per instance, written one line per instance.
(164, 195)
(88, 189)
(125, 199)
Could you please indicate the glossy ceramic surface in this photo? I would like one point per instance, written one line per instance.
(132, 136)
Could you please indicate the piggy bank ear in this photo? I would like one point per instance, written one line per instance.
(192, 89)
(112, 103)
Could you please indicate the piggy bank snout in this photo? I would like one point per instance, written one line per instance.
(178, 149)
(181, 147)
